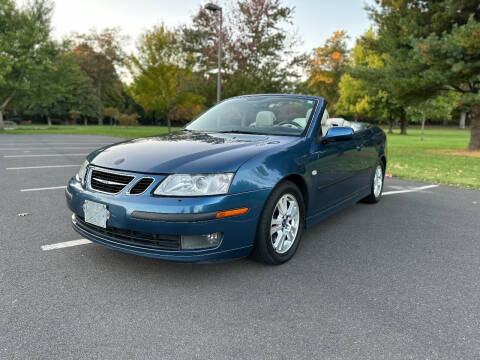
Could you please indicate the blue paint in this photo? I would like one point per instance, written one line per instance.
(343, 173)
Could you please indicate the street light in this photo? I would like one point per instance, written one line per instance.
(215, 8)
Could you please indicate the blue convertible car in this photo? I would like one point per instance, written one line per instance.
(245, 178)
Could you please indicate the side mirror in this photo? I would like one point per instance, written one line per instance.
(338, 133)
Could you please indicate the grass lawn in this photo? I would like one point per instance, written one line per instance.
(118, 131)
(438, 159)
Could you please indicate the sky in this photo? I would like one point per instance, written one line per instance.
(314, 20)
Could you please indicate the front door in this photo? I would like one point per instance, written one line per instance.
(334, 173)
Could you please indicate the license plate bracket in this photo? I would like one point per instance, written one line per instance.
(95, 213)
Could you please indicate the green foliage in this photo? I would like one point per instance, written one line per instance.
(431, 47)
(161, 76)
(84, 99)
(422, 60)
(128, 119)
(363, 94)
(326, 67)
(354, 99)
(75, 114)
(111, 112)
(98, 54)
(437, 108)
(121, 118)
(60, 87)
(25, 46)
(257, 46)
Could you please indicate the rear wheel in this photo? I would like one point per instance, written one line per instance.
(376, 187)
(281, 225)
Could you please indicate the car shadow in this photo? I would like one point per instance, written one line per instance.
(319, 244)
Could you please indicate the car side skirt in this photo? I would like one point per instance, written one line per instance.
(322, 215)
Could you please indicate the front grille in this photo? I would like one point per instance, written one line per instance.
(108, 182)
(130, 237)
(140, 186)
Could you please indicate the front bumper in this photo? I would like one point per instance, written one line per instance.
(184, 216)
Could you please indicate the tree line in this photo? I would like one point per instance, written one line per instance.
(420, 61)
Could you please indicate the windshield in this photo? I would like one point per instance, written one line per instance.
(269, 115)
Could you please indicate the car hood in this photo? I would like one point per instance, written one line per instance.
(185, 152)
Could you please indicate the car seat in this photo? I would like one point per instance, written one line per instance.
(264, 119)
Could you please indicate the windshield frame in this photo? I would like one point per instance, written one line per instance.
(281, 96)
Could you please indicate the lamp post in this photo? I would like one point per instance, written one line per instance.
(215, 8)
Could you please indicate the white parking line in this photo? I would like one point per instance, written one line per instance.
(54, 143)
(45, 188)
(40, 167)
(49, 148)
(410, 190)
(40, 155)
(65, 244)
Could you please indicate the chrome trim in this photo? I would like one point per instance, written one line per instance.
(111, 182)
(89, 178)
(136, 182)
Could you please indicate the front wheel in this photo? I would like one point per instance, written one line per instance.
(376, 186)
(281, 225)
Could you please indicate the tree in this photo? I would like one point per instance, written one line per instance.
(160, 73)
(112, 113)
(59, 87)
(263, 50)
(361, 93)
(258, 49)
(24, 47)
(355, 99)
(439, 107)
(432, 47)
(99, 53)
(85, 102)
(326, 67)
(75, 115)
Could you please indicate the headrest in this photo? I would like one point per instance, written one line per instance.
(265, 118)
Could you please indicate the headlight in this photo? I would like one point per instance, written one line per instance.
(194, 185)
(82, 172)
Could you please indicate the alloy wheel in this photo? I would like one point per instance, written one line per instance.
(285, 223)
(378, 181)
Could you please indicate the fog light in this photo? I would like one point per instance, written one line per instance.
(195, 242)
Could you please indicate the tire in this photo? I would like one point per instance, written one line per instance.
(278, 247)
(376, 188)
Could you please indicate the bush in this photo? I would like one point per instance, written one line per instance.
(128, 119)
(184, 113)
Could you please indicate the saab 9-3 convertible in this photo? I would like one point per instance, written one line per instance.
(247, 177)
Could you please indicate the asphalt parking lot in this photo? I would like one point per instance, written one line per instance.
(396, 280)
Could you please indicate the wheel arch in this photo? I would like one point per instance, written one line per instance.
(301, 184)
(383, 159)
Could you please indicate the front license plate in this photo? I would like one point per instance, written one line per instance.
(95, 213)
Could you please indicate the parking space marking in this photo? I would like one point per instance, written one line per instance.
(40, 155)
(55, 143)
(410, 190)
(49, 148)
(65, 244)
(45, 188)
(41, 167)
